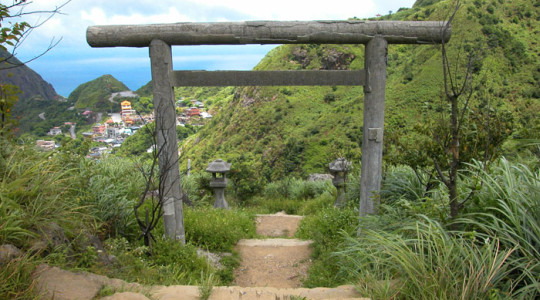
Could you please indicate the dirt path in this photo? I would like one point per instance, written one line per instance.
(276, 262)
(271, 269)
(277, 225)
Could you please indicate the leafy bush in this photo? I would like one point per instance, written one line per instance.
(324, 201)
(296, 189)
(217, 229)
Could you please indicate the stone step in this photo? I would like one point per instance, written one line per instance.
(280, 263)
(58, 284)
(273, 242)
(277, 225)
(260, 293)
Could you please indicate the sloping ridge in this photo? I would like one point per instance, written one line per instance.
(29, 82)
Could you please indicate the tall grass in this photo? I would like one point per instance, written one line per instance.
(424, 261)
(494, 254)
(217, 229)
(325, 227)
(36, 189)
(511, 199)
(110, 188)
(401, 182)
(16, 279)
(37, 192)
(295, 196)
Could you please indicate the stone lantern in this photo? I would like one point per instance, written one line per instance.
(219, 183)
(339, 168)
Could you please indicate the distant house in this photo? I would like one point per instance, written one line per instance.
(99, 129)
(45, 145)
(112, 132)
(193, 111)
(87, 113)
(199, 104)
(206, 115)
(55, 131)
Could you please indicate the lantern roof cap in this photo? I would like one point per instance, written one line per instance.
(218, 166)
(340, 165)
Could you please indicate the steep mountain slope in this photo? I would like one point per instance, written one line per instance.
(38, 98)
(29, 82)
(96, 94)
(272, 132)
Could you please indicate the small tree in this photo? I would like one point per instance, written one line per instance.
(460, 128)
(457, 93)
(463, 133)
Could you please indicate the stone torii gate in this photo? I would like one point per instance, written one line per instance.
(375, 35)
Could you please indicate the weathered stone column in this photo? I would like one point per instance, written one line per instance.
(339, 168)
(167, 143)
(372, 141)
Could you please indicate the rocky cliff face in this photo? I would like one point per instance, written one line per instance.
(29, 82)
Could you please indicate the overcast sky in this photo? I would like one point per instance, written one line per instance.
(72, 62)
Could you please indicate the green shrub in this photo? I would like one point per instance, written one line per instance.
(217, 229)
(296, 189)
(325, 228)
(197, 188)
(274, 205)
(323, 201)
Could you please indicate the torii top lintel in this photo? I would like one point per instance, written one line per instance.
(270, 32)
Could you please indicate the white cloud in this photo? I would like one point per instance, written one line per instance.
(298, 10)
(97, 16)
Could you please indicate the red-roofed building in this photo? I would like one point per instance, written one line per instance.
(194, 111)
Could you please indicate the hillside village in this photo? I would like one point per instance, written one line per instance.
(107, 133)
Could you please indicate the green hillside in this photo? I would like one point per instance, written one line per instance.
(282, 131)
(95, 94)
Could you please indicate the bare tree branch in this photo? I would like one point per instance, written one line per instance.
(8, 62)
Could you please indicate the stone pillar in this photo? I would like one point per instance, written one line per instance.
(339, 169)
(372, 142)
(167, 143)
(219, 185)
